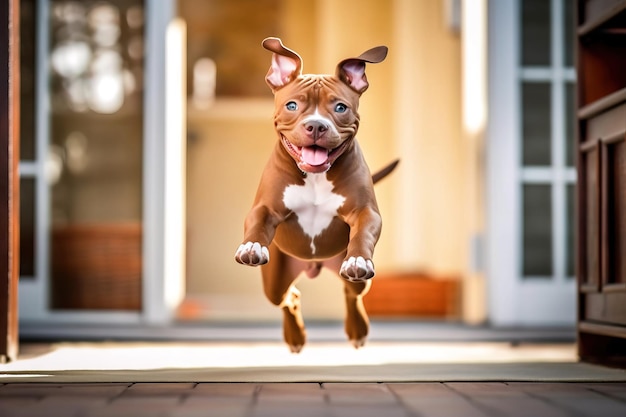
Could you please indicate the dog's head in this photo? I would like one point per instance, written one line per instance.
(317, 115)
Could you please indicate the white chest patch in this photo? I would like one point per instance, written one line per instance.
(314, 203)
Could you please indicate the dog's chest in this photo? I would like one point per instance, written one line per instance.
(314, 203)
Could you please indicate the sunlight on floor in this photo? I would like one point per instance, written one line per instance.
(148, 356)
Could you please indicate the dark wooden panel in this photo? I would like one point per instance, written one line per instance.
(590, 222)
(614, 217)
(601, 344)
(601, 171)
(605, 117)
(607, 307)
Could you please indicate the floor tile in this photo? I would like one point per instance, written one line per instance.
(576, 398)
(213, 409)
(107, 390)
(347, 393)
(292, 409)
(303, 393)
(30, 390)
(371, 410)
(129, 411)
(237, 389)
(445, 407)
(158, 388)
(152, 400)
(612, 390)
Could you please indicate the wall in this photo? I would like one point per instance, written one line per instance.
(427, 100)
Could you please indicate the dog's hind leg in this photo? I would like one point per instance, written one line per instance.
(279, 277)
(357, 322)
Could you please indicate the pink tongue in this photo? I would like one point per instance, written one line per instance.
(314, 155)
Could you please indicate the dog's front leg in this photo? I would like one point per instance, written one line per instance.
(259, 229)
(365, 226)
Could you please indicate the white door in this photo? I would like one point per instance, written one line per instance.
(530, 163)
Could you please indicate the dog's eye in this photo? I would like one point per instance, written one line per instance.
(341, 108)
(291, 106)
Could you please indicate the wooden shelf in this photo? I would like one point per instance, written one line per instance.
(602, 329)
(601, 151)
(595, 21)
(602, 104)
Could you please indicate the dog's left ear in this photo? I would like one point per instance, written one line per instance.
(286, 64)
(352, 70)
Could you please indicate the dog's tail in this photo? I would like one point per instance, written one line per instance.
(379, 175)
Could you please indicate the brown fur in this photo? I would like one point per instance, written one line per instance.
(281, 245)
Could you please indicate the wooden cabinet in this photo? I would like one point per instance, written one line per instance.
(601, 118)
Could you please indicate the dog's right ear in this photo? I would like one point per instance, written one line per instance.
(286, 64)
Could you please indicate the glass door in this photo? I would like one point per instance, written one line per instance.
(93, 164)
(94, 158)
(81, 164)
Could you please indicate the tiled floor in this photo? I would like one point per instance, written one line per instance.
(398, 345)
(466, 399)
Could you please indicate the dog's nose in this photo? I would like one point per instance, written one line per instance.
(315, 128)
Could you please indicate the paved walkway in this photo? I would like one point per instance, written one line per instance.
(461, 399)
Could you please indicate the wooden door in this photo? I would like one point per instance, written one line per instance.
(9, 184)
(601, 38)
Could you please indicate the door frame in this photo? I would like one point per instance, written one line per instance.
(9, 178)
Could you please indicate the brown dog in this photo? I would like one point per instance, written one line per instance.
(315, 206)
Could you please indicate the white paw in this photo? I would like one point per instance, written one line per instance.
(357, 269)
(358, 343)
(295, 348)
(252, 253)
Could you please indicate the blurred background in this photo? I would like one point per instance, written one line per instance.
(146, 125)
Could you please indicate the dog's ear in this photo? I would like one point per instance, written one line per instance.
(352, 70)
(286, 64)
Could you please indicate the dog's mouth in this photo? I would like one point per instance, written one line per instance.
(313, 159)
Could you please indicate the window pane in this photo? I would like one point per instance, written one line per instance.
(570, 269)
(570, 135)
(27, 79)
(568, 35)
(535, 32)
(536, 124)
(537, 230)
(27, 227)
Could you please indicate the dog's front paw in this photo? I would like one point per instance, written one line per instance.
(252, 253)
(357, 269)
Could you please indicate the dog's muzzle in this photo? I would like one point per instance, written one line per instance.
(313, 159)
